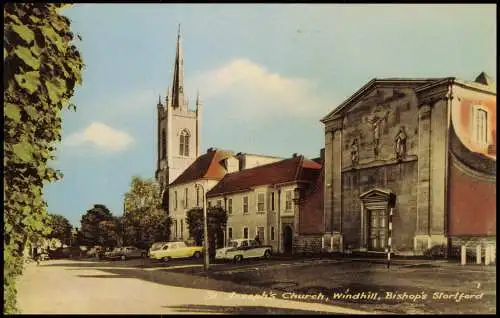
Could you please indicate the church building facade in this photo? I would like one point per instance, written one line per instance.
(425, 148)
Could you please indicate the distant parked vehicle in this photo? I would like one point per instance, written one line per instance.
(171, 250)
(113, 254)
(95, 251)
(125, 253)
(131, 252)
(239, 249)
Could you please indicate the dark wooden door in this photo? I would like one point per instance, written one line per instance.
(288, 239)
(377, 229)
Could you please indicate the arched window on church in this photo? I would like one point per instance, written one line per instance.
(163, 144)
(184, 143)
(480, 125)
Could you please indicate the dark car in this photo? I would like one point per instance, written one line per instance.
(113, 254)
(132, 252)
(125, 252)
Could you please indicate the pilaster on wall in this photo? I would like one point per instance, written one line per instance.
(337, 181)
(423, 195)
(432, 165)
(333, 170)
(296, 220)
(328, 195)
(438, 175)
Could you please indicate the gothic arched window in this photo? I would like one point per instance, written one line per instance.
(163, 144)
(184, 143)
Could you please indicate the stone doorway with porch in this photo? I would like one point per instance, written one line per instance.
(375, 207)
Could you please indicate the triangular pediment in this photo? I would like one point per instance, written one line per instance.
(376, 91)
(377, 195)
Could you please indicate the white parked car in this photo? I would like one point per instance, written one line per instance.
(239, 249)
(171, 250)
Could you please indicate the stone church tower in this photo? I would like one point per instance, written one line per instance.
(178, 133)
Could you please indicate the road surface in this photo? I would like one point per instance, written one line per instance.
(68, 286)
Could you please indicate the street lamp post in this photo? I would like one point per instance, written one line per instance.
(205, 226)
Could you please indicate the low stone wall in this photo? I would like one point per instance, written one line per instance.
(307, 244)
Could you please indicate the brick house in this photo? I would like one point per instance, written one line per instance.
(207, 170)
(424, 147)
(264, 201)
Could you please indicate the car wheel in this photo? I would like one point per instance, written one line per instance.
(238, 258)
(197, 255)
(123, 257)
(267, 254)
(167, 259)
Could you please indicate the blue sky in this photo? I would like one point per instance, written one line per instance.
(266, 74)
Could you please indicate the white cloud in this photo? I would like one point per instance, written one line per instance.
(253, 91)
(101, 136)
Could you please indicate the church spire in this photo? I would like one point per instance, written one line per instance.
(178, 81)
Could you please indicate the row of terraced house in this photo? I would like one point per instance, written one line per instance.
(423, 148)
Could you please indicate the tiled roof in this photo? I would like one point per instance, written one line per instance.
(206, 166)
(293, 169)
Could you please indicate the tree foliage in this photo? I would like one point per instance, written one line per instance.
(42, 67)
(60, 228)
(144, 221)
(217, 220)
(98, 227)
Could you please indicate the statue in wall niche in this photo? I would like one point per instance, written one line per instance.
(400, 144)
(355, 152)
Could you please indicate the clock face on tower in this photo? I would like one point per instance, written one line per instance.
(181, 89)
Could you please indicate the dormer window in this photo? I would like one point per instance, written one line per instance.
(480, 125)
(184, 143)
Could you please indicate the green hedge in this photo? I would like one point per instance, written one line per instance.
(41, 69)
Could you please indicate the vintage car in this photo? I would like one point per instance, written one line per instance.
(171, 250)
(239, 249)
(126, 252)
(95, 251)
(131, 252)
(156, 246)
(114, 253)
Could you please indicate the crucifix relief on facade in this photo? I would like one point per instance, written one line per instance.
(376, 123)
(379, 125)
